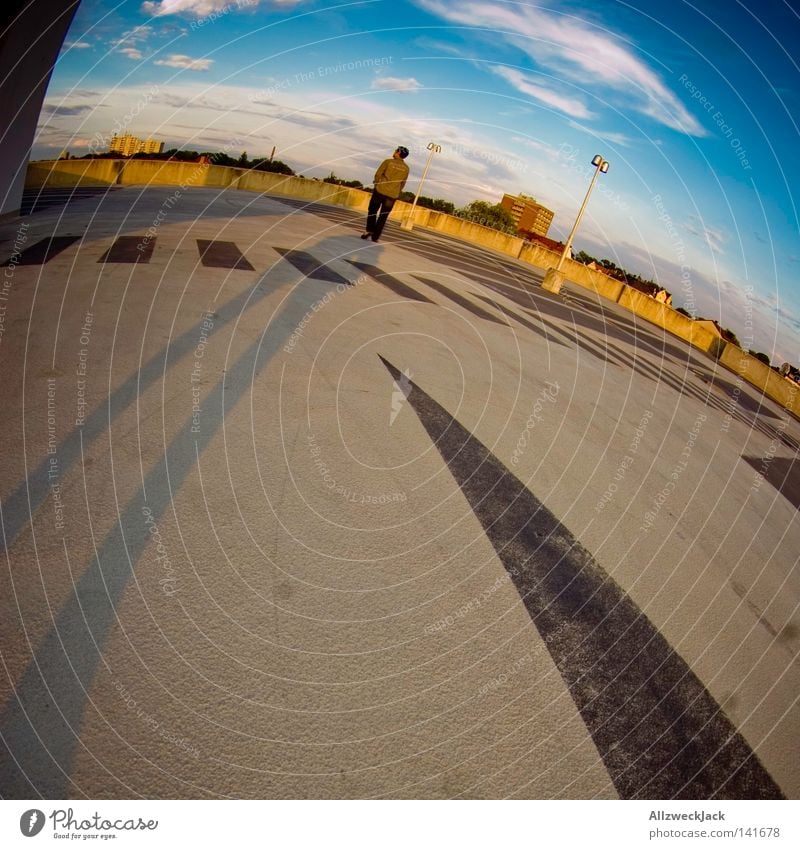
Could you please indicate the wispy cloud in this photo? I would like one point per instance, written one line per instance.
(604, 135)
(133, 36)
(575, 50)
(447, 47)
(77, 45)
(65, 111)
(132, 39)
(527, 84)
(180, 60)
(712, 236)
(539, 147)
(396, 84)
(201, 8)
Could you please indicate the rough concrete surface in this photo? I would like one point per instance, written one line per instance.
(345, 519)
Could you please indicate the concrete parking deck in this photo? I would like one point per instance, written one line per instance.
(289, 514)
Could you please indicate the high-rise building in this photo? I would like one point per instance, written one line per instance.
(529, 216)
(152, 146)
(127, 145)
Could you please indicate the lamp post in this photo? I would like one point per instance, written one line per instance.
(408, 223)
(554, 277)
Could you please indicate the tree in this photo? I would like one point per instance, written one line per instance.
(108, 154)
(275, 166)
(338, 181)
(436, 204)
(760, 355)
(219, 158)
(182, 155)
(243, 160)
(489, 215)
(682, 311)
(729, 336)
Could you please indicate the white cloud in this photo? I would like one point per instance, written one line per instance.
(180, 60)
(712, 236)
(535, 145)
(201, 8)
(130, 41)
(396, 84)
(575, 50)
(144, 32)
(525, 84)
(603, 135)
(77, 45)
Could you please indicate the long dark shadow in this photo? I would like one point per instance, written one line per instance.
(660, 733)
(41, 721)
(20, 506)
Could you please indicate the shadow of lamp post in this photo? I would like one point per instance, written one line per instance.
(554, 278)
(408, 222)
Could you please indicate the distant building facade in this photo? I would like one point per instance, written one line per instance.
(529, 216)
(127, 145)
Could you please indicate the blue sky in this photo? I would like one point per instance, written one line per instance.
(693, 107)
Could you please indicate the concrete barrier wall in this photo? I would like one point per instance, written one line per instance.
(66, 173)
(104, 172)
(459, 228)
(576, 272)
(674, 322)
(313, 191)
(785, 392)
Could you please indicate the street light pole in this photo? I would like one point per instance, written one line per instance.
(554, 277)
(408, 223)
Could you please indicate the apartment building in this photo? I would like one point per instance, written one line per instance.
(529, 216)
(127, 145)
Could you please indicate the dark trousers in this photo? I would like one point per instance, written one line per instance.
(379, 208)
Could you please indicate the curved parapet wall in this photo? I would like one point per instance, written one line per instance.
(66, 173)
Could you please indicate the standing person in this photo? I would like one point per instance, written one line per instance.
(390, 178)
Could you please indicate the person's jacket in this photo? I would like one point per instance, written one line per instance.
(390, 178)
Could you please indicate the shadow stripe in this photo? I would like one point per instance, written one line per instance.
(397, 286)
(38, 729)
(19, 507)
(460, 300)
(782, 473)
(129, 249)
(310, 266)
(43, 251)
(585, 343)
(523, 321)
(217, 254)
(660, 733)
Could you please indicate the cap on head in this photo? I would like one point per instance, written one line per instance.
(403, 151)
